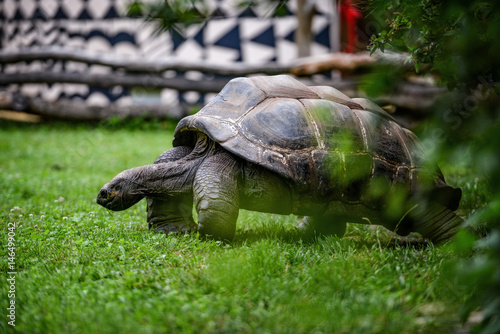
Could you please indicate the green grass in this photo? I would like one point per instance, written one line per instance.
(82, 269)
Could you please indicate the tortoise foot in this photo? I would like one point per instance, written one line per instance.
(174, 227)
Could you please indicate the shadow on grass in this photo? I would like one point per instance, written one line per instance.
(357, 236)
(366, 236)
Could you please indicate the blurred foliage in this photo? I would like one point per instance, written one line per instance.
(456, 43)
(144, 123)
(455, 39)
(175, 16)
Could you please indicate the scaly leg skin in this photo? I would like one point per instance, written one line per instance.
(436, 222)
(173, 215)
(216, 196)
(322, 225)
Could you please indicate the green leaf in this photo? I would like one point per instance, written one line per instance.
(464, 241)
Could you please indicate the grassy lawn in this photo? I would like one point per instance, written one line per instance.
(82, 269)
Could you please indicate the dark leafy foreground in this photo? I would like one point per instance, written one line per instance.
(456, 42)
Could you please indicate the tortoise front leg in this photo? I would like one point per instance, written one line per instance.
(216, 196)
(175, 214)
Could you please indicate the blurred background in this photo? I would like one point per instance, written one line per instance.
(93, 60)
(228, 33)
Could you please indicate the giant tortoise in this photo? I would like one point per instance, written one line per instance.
(273, 144)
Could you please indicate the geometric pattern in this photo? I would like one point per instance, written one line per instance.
(233, 34)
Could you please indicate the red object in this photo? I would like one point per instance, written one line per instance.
(350, 15)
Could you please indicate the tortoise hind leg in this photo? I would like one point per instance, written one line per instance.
(323, 225)
(435, 222)
(216, 196)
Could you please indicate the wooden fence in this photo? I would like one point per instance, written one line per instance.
(154, 75)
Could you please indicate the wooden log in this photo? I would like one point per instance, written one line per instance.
(349, 62)
(140, 66)
(301, 66)
(412, 97)
(19, 116)
(76, 110)
(124, 80)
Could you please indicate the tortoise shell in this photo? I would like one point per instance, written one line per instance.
(314, 135)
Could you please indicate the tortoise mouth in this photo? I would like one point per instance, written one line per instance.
(116, 201)
(105, 198)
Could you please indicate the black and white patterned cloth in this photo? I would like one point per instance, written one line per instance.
(232, 34)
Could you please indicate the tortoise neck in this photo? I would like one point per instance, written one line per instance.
(164, 180)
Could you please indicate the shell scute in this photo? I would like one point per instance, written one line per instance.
(283, 86)
(277, 161)
(278, 124)
(234, 100)
(334, 95)
(336, 125)
(225, 130)
(373, 107)
(384, 138)
(302, 168)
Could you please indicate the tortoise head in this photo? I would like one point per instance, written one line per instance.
(121, 192)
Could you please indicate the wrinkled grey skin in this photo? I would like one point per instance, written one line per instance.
(219, 183)
(263, 145)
